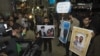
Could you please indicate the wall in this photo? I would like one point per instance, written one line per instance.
(5, 7)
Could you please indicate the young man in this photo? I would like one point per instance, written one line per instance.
(47, 41)
(94, 49)
(86, 23)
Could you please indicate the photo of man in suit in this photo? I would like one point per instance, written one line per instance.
(42, 31)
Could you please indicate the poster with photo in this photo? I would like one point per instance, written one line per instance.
(65, 27)
(46, 31)
(80, 40)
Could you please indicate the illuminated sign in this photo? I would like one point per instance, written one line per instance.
(63, 7)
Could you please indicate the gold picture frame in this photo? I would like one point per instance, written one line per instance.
(80, 41)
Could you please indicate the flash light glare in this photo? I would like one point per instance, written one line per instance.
(30, 16)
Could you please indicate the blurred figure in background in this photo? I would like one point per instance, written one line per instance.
(19, 20)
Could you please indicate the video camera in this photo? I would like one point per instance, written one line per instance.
(3, 27)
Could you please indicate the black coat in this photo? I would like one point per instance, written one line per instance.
(12, 48)
(94, 49)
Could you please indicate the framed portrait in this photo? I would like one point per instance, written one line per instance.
(46, 31)
(80, 40)
(65, 27)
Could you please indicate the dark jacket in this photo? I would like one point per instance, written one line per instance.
(90, 27)
(12, 48)
(95, 47)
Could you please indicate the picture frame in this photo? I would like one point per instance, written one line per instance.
(47, 32)
(80, 40)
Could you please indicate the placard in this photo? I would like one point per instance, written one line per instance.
(65, 27)
(80, 40)
(63, 7)
(46, 31)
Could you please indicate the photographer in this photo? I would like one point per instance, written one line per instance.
(15, 37)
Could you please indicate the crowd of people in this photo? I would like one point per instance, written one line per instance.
(21, 25)
(20, 28)
(86, 21)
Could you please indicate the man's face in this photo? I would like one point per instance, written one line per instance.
(16, 32)
(11, 23)
(81, 38)
(86, 21)
(46, 20)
